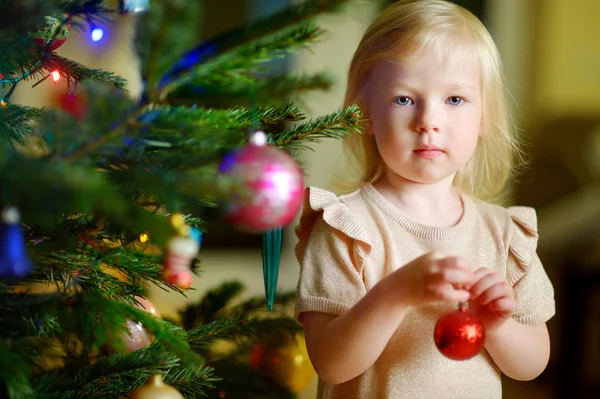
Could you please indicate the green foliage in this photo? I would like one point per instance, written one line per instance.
(88, 184)
(17, 122)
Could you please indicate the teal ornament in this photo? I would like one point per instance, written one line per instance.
(14, 261)
(196, 235)
(271, 256)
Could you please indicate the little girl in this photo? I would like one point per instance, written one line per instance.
(381, 264)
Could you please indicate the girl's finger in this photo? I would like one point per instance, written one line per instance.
(500, 289)
(484, 283)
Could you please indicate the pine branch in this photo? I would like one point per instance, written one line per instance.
(276, 90)
(335, 125)
(294, 15)
(174, 136)
(240, 381)
(82, 7)
(116, 375)
(211, 304)
(172, 120)
(104, 367)
(28, 60)
(113, 315)
(139, 267)
(109, 113)
(257, 304)
(12, 12)
(17, 122)
(236, 327)
(205, 334)
(98, 180)
(190, 383)
(162, 36)
(15, 369)
(241, 60)
(12, 22)
(74, 72)
(22, 60)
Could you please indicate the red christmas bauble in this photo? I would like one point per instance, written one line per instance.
(459, 335)
(267, 188)
(74, 104)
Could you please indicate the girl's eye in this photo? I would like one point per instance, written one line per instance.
(455, 100)
(402, 100)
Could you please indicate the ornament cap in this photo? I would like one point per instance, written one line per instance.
(10, 215)
(258, 138)
(156, 379)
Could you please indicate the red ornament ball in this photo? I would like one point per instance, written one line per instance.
(459, 335)
(74, 104)
(267, 187)
(54, 29)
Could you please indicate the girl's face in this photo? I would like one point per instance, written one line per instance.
(425, 113)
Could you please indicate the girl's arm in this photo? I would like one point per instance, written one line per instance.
(520, 351)
(343, 347)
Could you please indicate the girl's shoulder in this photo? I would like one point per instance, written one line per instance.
(517, 227)
(338, 211)
(520, 217)
(340, 214)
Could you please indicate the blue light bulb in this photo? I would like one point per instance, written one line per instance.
(97, 34)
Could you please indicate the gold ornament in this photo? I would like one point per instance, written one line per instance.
(155, 388)
(287, 363)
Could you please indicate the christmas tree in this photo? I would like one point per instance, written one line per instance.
(107, 195)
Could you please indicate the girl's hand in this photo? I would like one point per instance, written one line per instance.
(492, 299)
(433, 277)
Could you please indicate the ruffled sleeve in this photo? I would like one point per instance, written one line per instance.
(532, 287)
(332, 248)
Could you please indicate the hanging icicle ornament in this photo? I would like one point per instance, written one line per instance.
(267, 186)
(180, 252)
(271, 256)
(459, 335)
(14, 261)
(155, 389)
(133, 6)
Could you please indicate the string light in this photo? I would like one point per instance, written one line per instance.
(97, 34)
(56, 75)
(3, 80)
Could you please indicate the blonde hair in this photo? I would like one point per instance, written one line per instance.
(410, 26)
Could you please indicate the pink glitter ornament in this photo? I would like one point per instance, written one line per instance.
(268, 186)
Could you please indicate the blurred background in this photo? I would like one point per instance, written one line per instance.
(551, 54)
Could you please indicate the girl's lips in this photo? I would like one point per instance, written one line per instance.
(428, 153)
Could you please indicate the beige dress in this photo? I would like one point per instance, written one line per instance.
(349, 243)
